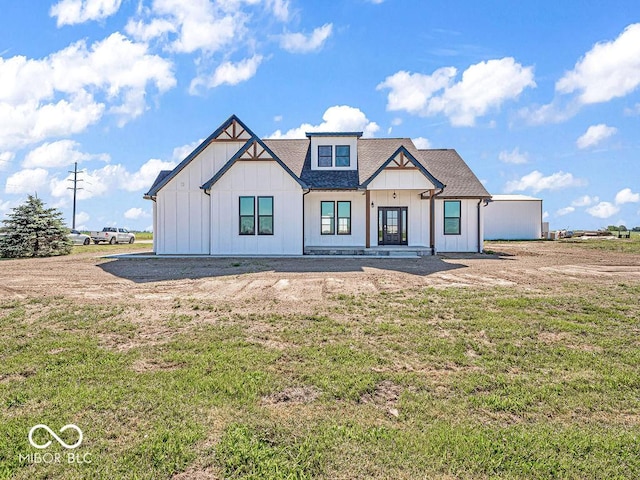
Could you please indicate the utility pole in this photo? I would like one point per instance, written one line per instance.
(74, 188)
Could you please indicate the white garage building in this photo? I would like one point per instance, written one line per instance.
(513, 217)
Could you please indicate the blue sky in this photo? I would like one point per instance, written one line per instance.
(540, 98)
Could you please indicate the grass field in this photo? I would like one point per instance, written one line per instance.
(485, 382)
(630, 245)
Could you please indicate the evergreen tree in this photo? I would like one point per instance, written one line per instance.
(34, 231)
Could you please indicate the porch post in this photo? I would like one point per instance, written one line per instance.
(367, 207)
(432, 220)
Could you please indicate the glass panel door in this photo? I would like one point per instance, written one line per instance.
(392, 226)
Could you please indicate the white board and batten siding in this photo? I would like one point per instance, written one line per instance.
(256, 178)
(513, 217)
(400, 179)
(182, 210)
(467, 240)
(417, 210)
(313, 219)
(407, 184)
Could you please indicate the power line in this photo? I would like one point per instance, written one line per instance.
(75, 188)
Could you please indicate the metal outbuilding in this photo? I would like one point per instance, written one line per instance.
(513, 217)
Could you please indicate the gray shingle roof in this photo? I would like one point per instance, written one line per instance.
(445, 165)
(373, 152)
(296, 155)
(448, 167)
(161, 176)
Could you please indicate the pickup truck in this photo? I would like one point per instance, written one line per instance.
(113, 235)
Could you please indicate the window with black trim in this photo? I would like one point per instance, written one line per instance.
(265, 215)
(327, 218)
(247, 216)
(343, 155)
(452, 214)
(344, 218)
(325, 155)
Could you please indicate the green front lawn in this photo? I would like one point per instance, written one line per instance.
(450, 383)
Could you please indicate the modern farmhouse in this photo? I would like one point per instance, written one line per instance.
(237, 194)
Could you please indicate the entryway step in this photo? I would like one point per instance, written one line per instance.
(397, 252)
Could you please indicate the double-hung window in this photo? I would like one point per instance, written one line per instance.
(452, 217)
(327, 218)
(325, 155)
(265, 215)
(248, 215)
(343, 155)
(344, 218)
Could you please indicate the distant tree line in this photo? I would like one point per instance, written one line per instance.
(622, 228)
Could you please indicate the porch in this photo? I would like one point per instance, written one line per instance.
(397, 251)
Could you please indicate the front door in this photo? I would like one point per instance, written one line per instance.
(392, 225)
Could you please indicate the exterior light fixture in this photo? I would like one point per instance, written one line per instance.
(394, 195)
(371, 204)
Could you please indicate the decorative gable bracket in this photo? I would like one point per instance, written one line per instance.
(234, 131)
(401, 160)
(255, 151)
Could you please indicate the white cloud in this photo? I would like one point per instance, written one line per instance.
(584, 201)
(192, 25)
(181, 152)
(59, 154)
(421, 143)
(603, 210)
(339, 118)
(564, 211)
(148, 31)
(484, 86)
(81, 220)
(32, 122)
(136, 214)
(513, 157)
(545, 215)
(554, 112)
(96, 183)
(56, 96)
(145, 176)
(110, 178)
(280, 9)
(632, 111)
(27, 181)
(627, 196)
(608, 70)
(229, 73)
(301, 43)
(5, 159)
(594, 135)
(536, 182)
(5, 206)
(71, 12)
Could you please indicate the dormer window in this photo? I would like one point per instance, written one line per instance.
(334, 150)
(325, 155)
(343, 155)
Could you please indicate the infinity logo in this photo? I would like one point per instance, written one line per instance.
(58, 439)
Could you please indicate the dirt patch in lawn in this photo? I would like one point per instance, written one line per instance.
(292, 395)
(167, 295)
